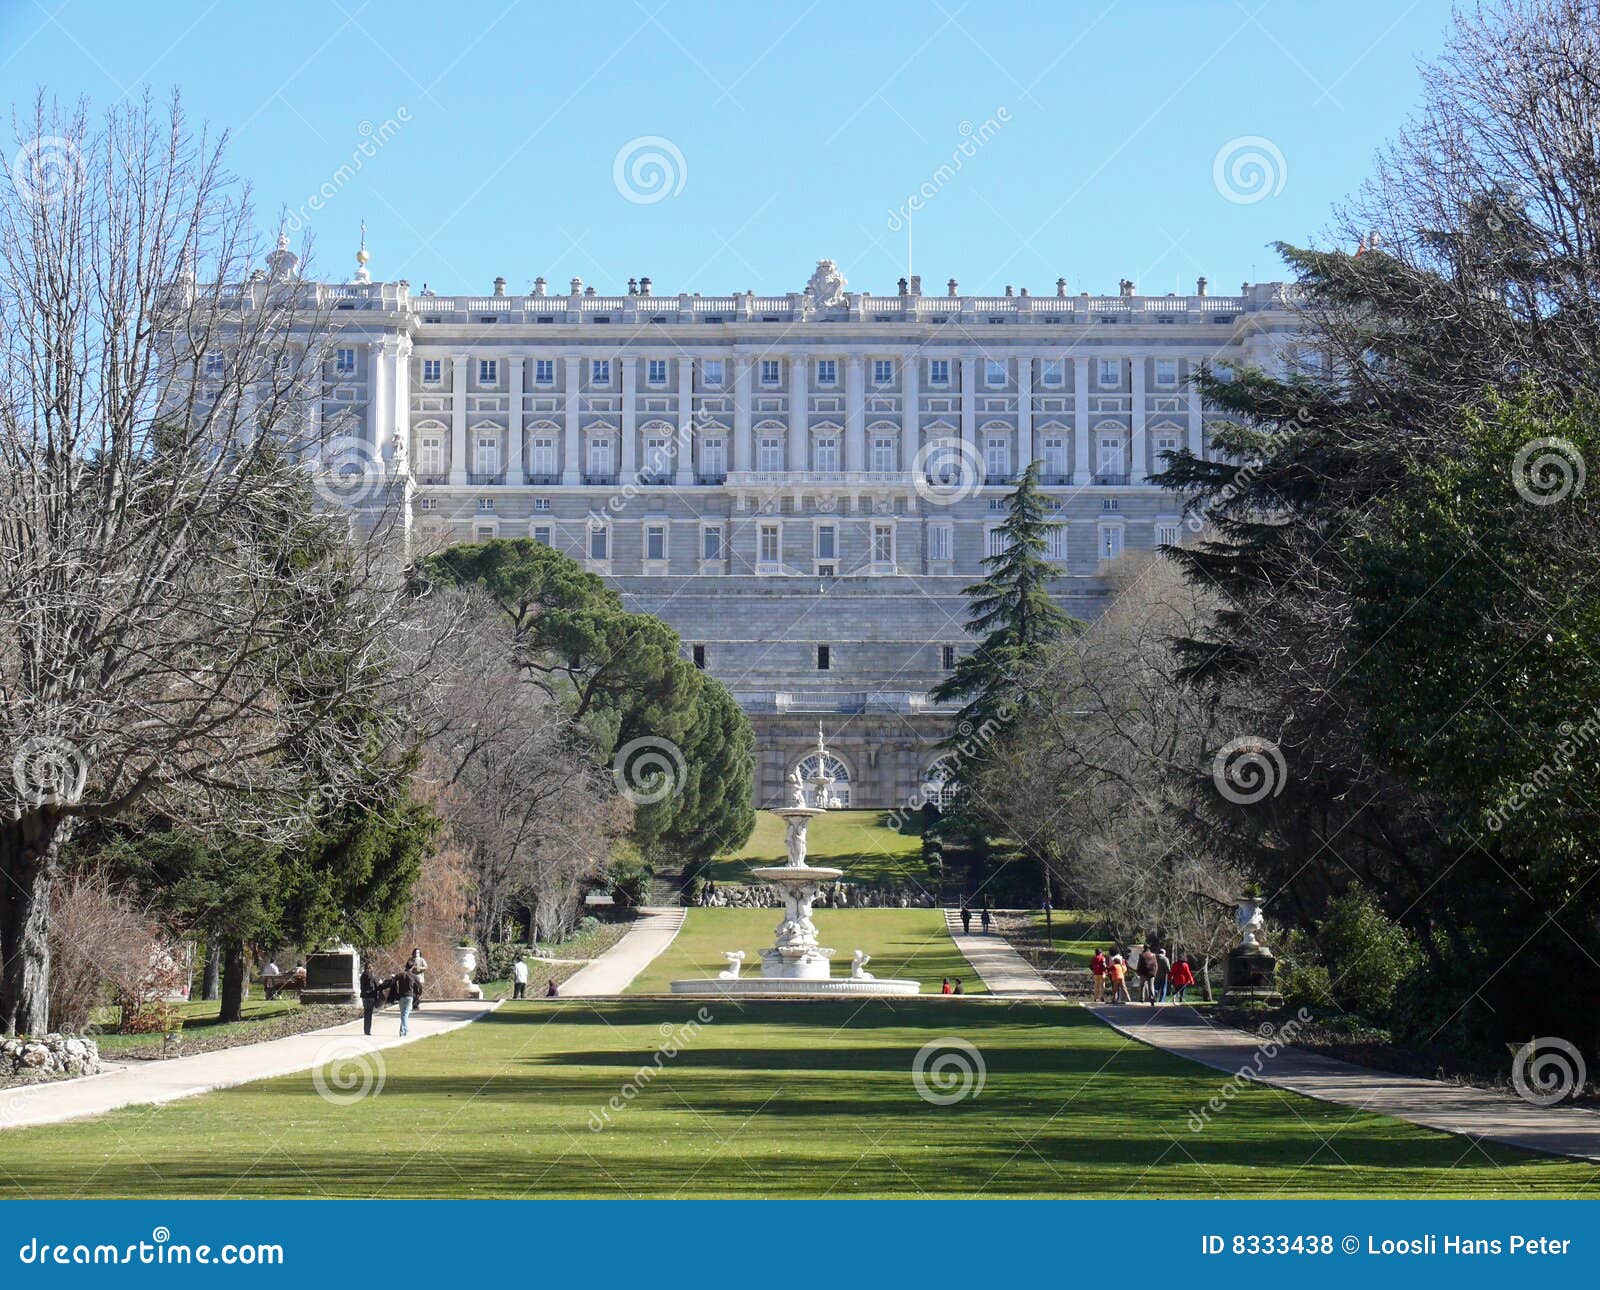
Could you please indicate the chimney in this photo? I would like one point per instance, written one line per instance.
(916, 284)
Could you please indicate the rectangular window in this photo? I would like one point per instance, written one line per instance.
(827, 455)
(700, 657)
(344, 362)
(1166, 446)
(599, 542)
(657, 456)
(1055, 456)
(770, 372)
(713, 458)
(1110, 542)
(827, 542)
(883, 544)
(430, 453)
(1050, 371)
(655, 371)
(939, 542)
(1110, 373)
(599, 456)
(997, 458)
(488, 371)
(484, 532)
(541, 535)
(541, 503)
(542, 461)
(711, 542)
(214, 365)
(1166, 535)
(655, 542)
(769, 458)
(994, 372)
(1166, 371)
(947, 657)
(938, 371)
(432, 371)
(995, 542)
(711, 371)
(1056, 542)
(882, 371)
(883, 455)
(487, 458)
(486, 504)
(824, 658)
(827, 371)
(600, 371)
(768, 550)
(544, 371)
(1111, 455)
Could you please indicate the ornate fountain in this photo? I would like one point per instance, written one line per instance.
(796, 963)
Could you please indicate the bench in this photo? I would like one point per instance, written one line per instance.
(283, 982)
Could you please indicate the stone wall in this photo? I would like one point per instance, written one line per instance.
(48, 1057)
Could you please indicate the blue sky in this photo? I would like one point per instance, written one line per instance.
(1076, 139)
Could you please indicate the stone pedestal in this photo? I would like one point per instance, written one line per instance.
(333, 976)
(1252, 976)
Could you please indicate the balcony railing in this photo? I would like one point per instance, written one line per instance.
(655, 478)
(433, 477)
(1055, 479)
(482, 477)
(542, 478)
(1004, 477)
(604, 481)
(711, 477)
(1112, 479)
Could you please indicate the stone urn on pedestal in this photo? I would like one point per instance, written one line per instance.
(467, 961)
(1252, 967)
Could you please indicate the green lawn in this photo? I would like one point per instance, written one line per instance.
(1069, 935)
(199, 1021)
(859, 842)
(902, 942)
(764, 1099)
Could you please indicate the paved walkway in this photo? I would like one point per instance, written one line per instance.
(613, 971)
(1470, 1112)
(138, 1083)
(1005, 972)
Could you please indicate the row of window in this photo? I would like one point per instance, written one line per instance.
(825, 660)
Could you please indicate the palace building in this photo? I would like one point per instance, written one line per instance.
(800, 484)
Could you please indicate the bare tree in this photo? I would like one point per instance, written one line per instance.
(181, 627)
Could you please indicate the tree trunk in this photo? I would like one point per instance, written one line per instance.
(27, 867)
(1205, 976)
(212, 988)
(233, 982)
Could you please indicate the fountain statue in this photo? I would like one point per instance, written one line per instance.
(796, 963)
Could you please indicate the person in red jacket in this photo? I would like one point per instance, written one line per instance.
(1098, 965)
(1181, 979)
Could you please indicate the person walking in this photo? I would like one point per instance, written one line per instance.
(1182, 978)
(1097, 968)
(966, 919)
(519, 978)
(403, 990)
(369, 998)
(417, 966)
(1145, 966)
(1163, 975)
(985, 916)
(1117, 971)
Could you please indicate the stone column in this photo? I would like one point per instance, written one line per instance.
(1025, 453)
(855, 408)
(378, 358)
(1197, 434)
(799, 413)
(1136, 473)
(910, 412)
(1081, 468)
(743, 455)
(458, 418)
(514, 472)
(630, 416)
(571, 448)
(685, 471)
(400, 419)
(969, 405)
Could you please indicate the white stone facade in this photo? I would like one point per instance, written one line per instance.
(801, 484)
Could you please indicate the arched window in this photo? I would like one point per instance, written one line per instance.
(840, 772)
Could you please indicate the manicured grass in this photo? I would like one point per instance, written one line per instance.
(909, 943)
(859, 842)
(766, 1099)
(1069, 935)
(199, 1021)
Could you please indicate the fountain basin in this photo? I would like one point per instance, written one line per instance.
(795, 873)
(812, 988)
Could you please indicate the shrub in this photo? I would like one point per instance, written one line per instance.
(103, 945)
(1369, 956)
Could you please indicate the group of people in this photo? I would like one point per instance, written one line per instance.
(966, 918)
(1158, 975)
(519, 981)
(951, 987)
(403, 988)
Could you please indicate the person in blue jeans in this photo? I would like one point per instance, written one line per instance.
(405, 993)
